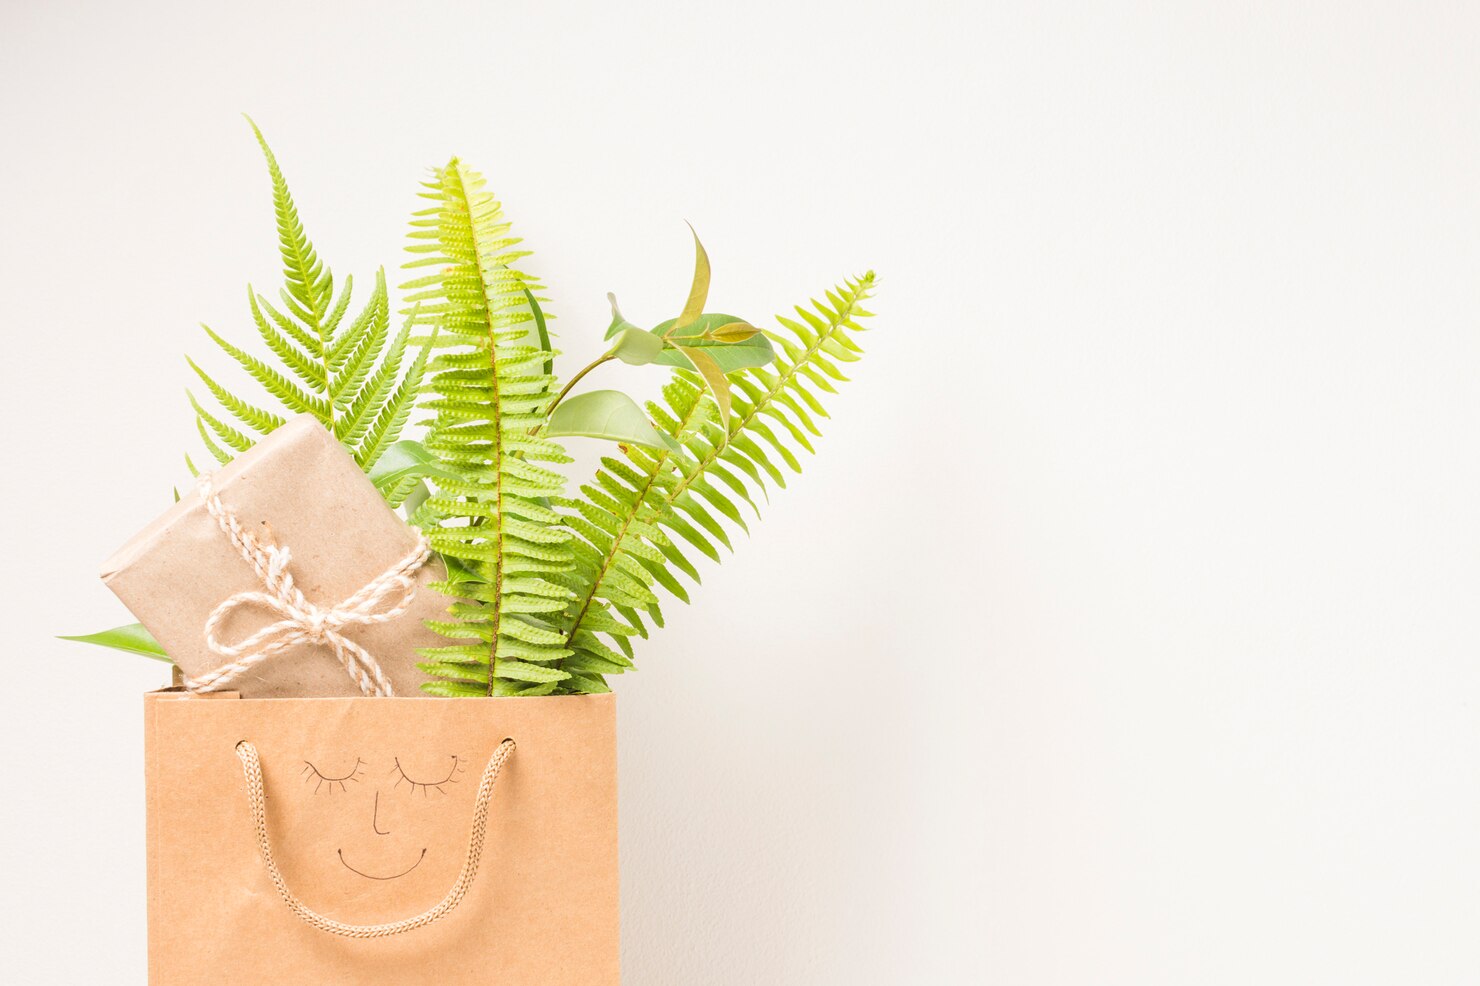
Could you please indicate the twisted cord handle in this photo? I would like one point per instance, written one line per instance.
(257, 802)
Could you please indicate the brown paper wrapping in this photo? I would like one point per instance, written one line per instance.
(315, 500)
(542, 911)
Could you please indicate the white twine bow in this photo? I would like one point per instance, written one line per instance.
(386, 597)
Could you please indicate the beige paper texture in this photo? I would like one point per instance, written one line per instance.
(315, 500)
(371, 848)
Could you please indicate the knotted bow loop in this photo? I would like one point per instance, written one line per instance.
(386, 597)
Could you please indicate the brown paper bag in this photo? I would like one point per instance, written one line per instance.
(368, 809)
(302, 490)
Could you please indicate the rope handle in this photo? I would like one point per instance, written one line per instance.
(257, 802)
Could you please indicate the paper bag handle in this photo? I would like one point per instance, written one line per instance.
(252, 768)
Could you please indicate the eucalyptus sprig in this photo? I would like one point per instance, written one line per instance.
(711, 344)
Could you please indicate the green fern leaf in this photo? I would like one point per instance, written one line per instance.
(308, 281)
(368, 333)
(489, 384)
(275, 334)
(393, 414)
(359, 415)
(255, 418)
(217, 452)
(346, 377)
(622, 526)
(225, 432)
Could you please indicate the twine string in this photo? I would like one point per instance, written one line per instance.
(257, 802)
(384, 598)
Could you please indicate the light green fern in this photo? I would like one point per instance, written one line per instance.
(640, 511)
(353, 376)
(490, 384)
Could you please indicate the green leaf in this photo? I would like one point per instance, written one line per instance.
(608, 414)
(414, 497)
(541, 332)
(309, 282)
(132, 638)
(490, 383)
(347, 378)
(454, 689)
(640, 516)
(635, 345)
(405, 460)
(619, 323)
(754, 351)
(701, 328)
(460, 574)
(520, 671)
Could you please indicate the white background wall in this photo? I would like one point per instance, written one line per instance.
(1124, 629)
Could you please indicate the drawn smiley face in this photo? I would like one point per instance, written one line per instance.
(402, 788)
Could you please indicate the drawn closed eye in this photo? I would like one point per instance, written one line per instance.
(312, 773)
(427, 786)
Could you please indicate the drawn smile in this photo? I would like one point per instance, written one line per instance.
(369, 876)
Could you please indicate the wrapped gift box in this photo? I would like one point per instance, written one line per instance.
(297, 489)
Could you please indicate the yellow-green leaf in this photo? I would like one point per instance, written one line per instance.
(734, 332)
(714, 377)
(699, 292)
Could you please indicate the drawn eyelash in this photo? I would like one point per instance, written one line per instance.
(311, 773)
(451, 778)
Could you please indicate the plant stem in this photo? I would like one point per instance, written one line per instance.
(576, 379)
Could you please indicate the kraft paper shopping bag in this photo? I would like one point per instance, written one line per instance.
(286, 834)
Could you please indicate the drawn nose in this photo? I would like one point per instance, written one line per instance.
(375, 817)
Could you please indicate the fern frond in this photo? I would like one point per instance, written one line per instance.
(227, 434)
(489, 386)
(629, 526)
(276, 333)
(348, 377)
(360, 413)
(308, 281)
(366, 340)
(289, 394)
(217, 452)
(394, 412)
(253, 417)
